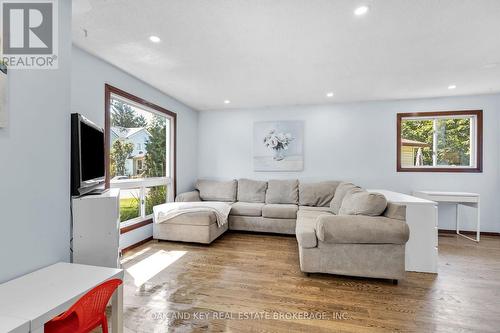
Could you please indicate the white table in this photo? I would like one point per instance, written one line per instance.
(421, 251)
(13, 325)
(41, 295)
(458, 198)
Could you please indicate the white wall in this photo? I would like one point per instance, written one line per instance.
(34, 164)
(89, 74)
(355, 142)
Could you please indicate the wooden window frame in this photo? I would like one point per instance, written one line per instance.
(479, 141)
(110, 90)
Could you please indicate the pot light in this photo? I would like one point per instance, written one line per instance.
(490, 65)
(155, 39)
(451, 87)
(227, 101)
(361, 10)
(329, 94)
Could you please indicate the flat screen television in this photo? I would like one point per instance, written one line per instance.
(87, 155)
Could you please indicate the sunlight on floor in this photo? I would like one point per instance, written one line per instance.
(135, 255)
(152, 265)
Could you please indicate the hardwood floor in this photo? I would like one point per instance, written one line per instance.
(177, 287)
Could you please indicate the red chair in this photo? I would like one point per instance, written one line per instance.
(87, 313)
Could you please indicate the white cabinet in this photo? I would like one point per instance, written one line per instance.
(422, 217)
(96, 229)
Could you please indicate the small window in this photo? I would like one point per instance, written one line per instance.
(448, 141)
(138, 146)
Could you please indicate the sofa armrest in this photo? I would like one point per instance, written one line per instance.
(188, 196)
(359, 229)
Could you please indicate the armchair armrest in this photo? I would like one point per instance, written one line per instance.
(188, 196)
(360, 229)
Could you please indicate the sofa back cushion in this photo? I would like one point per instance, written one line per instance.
(317, 194)
(282, 192)
(360, 202)
(252, 190)
(214, 190)
(340, 192)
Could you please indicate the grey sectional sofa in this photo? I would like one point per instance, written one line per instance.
(340, 228)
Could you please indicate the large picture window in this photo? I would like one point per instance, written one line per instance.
(140, 154)
(447, 141)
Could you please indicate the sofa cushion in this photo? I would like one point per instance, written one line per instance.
(363, 203)
(395, 211)
(351, 229)
(340, 192)
(305, 229)
(247, 208)
(282, 192)
(214, 190)
(251, 190)
(317, 194)
(280, 211)
(314, 209)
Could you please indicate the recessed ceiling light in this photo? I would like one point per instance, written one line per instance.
(452, 86)
(329, 94)
(361, 10)
(490, 65)
(227, 101)
(155, 39)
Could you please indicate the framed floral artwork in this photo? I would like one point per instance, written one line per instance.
(278, 146)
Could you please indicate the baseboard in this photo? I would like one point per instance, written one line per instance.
(130, 247)
(473, 233)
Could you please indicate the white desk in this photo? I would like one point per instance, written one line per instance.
(421, 251)
(14, 325)
(458, 198)
(40, 296)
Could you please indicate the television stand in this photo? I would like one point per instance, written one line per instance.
(96, 229)
(97, 191)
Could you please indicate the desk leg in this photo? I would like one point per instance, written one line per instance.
(117, 311)
(478, 232)
(478, 223)
(457, 223)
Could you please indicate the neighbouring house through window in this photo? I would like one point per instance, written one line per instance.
(448, 141)
(140, 153)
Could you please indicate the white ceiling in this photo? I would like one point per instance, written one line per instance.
(288, 52)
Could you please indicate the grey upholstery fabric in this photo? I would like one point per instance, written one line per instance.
(282, 192)
(305, 229)
(340, 192)
(246, 208)
(386, 261)
(188, 197)
(315, 209)
(280, 211)
(194, 218)
(363, 203)
(213, 190)
(261, 224)
(354, 229)
(395, 211)
(204, 234)
(317, 194)
(251, 190)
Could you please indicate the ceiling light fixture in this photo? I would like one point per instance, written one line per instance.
(361, 10)
(329, 94)
(451, 87)
(490, 65)
(155, 39)
(227, 101)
